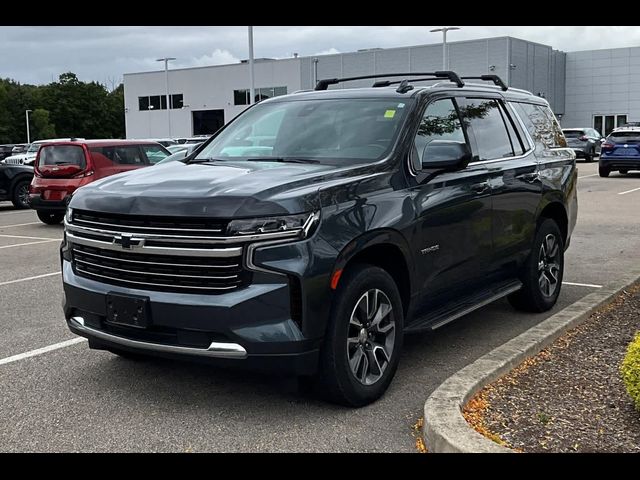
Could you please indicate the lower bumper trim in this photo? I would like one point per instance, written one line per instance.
(215, 350)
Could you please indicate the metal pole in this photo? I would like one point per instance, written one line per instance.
(166, 80)
(252, 90)
(444, 49)
(315, 73)
(26, 114)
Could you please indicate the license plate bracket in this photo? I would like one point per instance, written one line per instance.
(128, 310)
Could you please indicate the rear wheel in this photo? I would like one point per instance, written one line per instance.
(542, 273)
(20, 196)
(364, 338)
(604, 171)
(50, 218)
(588, 157)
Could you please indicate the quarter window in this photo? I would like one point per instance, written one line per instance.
(484, 117)
(439, 122)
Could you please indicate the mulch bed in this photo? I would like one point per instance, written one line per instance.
(570, 397)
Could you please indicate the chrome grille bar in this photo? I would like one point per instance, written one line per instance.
(161, 264)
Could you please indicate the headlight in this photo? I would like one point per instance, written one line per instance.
(68, 216)
(287, 225)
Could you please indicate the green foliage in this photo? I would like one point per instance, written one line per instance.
(66, 108)
(630, 370)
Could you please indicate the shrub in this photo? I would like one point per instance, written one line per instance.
(630, 370)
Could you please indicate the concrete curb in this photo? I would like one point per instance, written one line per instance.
(445, 429)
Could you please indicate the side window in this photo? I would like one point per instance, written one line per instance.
(488, 125)
(541, 124)
(128, 155)
(154, 153)
(439, 122)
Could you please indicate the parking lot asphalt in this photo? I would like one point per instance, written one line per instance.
(74, 399)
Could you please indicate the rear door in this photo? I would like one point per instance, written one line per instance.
(502, 147)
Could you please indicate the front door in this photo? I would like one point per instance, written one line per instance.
(453, 237)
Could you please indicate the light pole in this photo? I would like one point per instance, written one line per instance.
(26, 114)
(444, 31)
(252, 90)
(166, 61)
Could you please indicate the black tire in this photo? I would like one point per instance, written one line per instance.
(588, 157)
(20, 194)
(532, 297)
(336, 381)
(50, 218)
(603, 171)
(624, 172)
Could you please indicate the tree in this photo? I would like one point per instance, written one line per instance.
(42, 127)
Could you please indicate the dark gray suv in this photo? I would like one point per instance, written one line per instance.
(586, 142)
(314, 230)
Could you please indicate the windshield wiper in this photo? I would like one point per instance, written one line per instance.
(208, 160)
(282, 160)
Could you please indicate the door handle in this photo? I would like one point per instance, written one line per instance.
(531, 177)
(481, 187)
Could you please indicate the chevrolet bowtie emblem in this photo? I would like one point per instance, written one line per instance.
(128, 242)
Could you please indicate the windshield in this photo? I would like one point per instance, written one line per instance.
(340, 130)
(573, 133)
(625, 137)
(33, 148)
(62, 155)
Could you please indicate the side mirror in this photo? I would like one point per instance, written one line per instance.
(445, 154)
(602, 139)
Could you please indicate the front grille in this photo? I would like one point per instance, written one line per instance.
(13, 161)
(187, 227)
(167, 273)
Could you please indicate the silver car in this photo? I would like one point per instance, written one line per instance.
(586, 142)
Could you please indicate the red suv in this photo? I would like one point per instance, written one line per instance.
(62, 167)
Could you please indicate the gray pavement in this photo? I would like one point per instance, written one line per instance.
(74, 399)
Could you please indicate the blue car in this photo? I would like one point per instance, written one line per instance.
(620, 152)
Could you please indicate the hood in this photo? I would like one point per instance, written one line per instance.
(222, 190)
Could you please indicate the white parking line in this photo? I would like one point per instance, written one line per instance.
(28, 243)
(15, 212)
(29, 278)
(19, 225)
(629, 191)
(587, 176)
(40, 351)
(582, 285)
(30, 238)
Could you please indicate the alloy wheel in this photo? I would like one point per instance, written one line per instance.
(549, 265)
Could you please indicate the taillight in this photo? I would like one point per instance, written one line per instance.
(84, 174)
(583, 138)
(607, 146)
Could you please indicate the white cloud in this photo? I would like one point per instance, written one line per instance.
(331, 51)
(217, 57)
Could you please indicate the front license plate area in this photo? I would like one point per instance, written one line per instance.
(128, 310)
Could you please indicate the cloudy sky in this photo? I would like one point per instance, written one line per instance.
(39, 54)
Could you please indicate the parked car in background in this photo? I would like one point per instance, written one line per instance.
(368, 213)
(165, 142)
(620, 151)
(14, 184)
(5, 151)
(63, 167)
(29, 156)
(19, 148)
(176, 148)
(194, 139)
(586, 142)
(184, 152)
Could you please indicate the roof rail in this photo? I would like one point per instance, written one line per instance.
(452, 76)
(490, 78)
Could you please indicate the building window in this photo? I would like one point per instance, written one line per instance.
(159, 102)
(241, 97)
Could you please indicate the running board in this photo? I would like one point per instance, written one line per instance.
(454, 310)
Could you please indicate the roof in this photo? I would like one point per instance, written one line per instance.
(103, 142)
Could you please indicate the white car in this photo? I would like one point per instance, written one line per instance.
(29, 156)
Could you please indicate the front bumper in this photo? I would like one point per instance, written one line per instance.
(251, 327)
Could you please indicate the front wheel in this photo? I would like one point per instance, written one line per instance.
(604, 171)
(50, 218)
(542, 272)
(362, 347)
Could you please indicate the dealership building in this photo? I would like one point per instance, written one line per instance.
(593, 88)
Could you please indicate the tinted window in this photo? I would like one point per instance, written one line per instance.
(122, 155)
(573, 133)
(488, 126)
(338, 130)
(62, 155)
(624, 137)
(439, 122)
(143, 103)
(541, 124)
(154, 153)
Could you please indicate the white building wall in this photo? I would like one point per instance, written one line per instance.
(602, 82)
(204, 88)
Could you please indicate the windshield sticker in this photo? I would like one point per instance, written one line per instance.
(389, 114)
